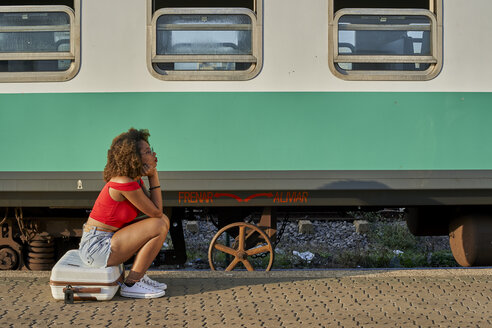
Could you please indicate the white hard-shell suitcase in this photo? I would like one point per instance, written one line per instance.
(73, 280)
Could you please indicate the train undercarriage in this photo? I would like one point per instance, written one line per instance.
(34, 238)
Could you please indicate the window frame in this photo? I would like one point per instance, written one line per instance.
(73, 55)
(206, 75)
(434, 59)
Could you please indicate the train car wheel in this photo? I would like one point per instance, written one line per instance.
(9, 259)
(428, 221)
(251, 247)
(470, 238)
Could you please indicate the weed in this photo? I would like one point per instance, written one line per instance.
(442, 258)
(392, 237)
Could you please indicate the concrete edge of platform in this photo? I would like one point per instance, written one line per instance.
(331, 273)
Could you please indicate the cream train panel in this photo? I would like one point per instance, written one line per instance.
(295, 53)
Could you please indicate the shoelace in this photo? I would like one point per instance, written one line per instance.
(150, 282)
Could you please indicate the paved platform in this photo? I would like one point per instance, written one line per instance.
(328, 298)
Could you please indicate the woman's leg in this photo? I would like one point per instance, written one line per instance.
(144, 238)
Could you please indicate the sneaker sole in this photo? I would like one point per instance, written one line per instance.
(140, 295)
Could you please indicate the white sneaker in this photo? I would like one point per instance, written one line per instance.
(141, 290)
(153, 283)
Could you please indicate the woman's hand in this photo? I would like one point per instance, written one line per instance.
(149, 170)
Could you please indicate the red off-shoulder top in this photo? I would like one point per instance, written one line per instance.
(114, 213)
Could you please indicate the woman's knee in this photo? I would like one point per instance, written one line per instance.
(160, 226)
(166, 221)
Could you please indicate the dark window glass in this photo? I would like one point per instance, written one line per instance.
(69, 3)
(34, 65)
(382, 66)
(158, 4)
(398, 4)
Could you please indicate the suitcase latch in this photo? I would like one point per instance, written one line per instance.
(68, 291)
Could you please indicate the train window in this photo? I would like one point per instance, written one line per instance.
(39, 40)
(204, 40)
(383, 42)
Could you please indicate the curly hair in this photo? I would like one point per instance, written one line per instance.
(124, 155)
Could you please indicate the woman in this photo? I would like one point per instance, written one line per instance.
(111, 234)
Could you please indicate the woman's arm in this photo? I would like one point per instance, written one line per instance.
(145, 190)
(149, 206)
(155, 188)
(149, 203)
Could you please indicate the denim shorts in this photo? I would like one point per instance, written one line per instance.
(95, 247)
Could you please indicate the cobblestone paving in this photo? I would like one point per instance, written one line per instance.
(331, 298)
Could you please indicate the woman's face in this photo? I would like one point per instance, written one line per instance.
(147, 154)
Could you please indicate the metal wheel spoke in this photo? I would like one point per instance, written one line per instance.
(249, 234)
(248, 265)
(258, 250)
(225, 249)
(233, 264)
(242, 232)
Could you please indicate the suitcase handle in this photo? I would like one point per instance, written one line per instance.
(83, 290)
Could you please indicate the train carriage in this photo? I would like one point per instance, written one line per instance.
(252, 105)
